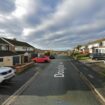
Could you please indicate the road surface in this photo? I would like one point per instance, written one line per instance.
(57, 84)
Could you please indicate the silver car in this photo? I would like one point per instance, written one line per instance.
(6, 73)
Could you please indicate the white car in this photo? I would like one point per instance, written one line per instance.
(6, 73)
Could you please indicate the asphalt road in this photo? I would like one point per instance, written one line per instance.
(49, 88)
(7, 89)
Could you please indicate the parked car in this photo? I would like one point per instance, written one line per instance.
(97, 56)
(41, 59)
(6, 73)
(52, 57)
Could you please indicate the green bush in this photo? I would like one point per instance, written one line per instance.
(82, 56)
(78, 55)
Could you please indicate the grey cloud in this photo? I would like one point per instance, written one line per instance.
(79, 27)
(7, 6)
(12, 27)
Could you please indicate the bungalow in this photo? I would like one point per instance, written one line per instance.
(14, 52)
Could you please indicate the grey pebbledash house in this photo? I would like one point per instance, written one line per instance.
(14, 52)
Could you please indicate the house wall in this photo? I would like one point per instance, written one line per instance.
(90, 50)
(1, 62)
(21, 48)
(96, 45)
(103, 43)
(30, 49)
(91, 46)
(100, 50)
(4, 47)
(7, 61)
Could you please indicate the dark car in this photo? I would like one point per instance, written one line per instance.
(52, 57)
(97, 56)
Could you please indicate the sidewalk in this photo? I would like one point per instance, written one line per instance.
(95, 68)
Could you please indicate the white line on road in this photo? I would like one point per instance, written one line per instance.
(91, 76)
(92, 87)
(13, 97)
(60, 72)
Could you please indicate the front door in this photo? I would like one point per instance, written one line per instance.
(15, 60)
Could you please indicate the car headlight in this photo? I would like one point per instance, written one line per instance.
(3, 73)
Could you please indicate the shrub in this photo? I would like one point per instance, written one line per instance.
(80, 56)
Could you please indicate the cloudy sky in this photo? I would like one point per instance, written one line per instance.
(53, 24)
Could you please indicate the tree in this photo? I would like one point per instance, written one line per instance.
(47, 53)
(78, 47)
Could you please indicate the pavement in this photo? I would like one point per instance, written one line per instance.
(59, 83)
(92, 75)
(8, 88)
(98, 67)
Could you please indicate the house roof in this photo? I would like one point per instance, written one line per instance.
(97, 41)
(7, 53)
(2, 41)
(18, 43)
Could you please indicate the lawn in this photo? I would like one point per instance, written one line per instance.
(83, 58)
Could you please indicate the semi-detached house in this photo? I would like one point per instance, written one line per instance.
(13, 52)
(97, 46)
(91, 46)
(101, 48)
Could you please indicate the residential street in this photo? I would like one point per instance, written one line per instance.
(52, 52)
(58, 83)
(7, 89)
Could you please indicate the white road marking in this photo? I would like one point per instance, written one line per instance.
(60, 72)
(91, 76)
(13, 97)
(92, 87)
(58, 75)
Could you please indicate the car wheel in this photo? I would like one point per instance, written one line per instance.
(46, 61)
(34, 61)
(7, 81)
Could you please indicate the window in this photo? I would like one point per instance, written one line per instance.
(96, 50)
(1, 59)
